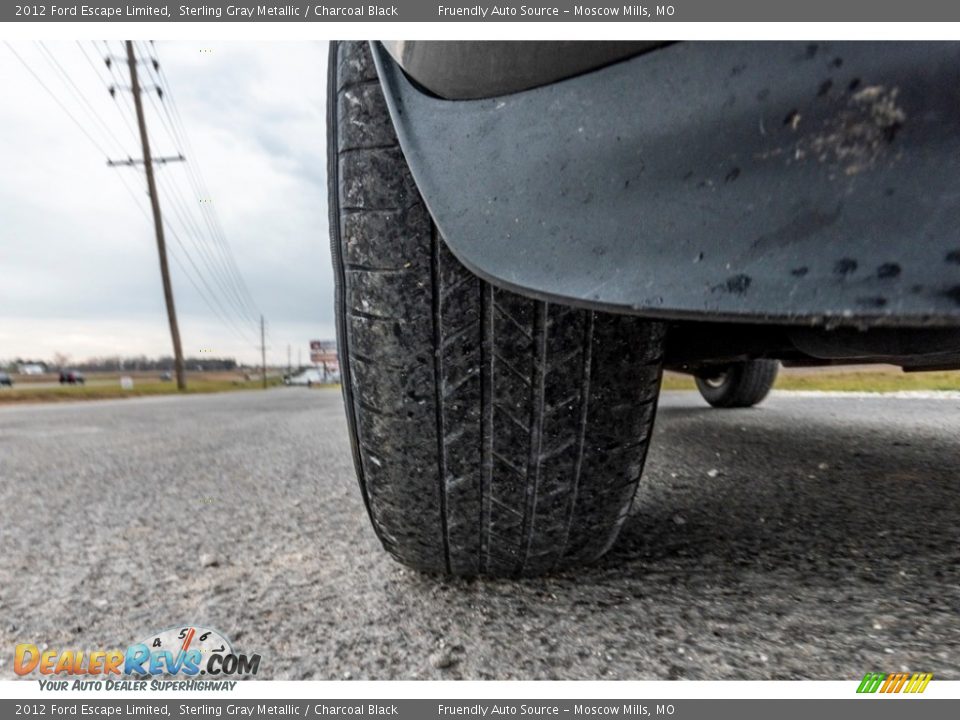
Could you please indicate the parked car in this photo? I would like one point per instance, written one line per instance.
(525, 235)
(5, 379)
(166, 376)
(305, 377)
(71, 377)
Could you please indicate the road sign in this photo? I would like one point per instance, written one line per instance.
(324, 352)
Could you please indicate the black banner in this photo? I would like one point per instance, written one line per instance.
(466, 11)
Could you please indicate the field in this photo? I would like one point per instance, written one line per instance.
(102, 386)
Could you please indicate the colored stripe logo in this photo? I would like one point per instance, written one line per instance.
(894, 682)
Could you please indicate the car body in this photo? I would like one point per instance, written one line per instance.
(305, 377)
(72, 377)
(5, 379)
(777, 199)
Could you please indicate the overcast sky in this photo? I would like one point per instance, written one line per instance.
(78, 262)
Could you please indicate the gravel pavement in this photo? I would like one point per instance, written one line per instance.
(813, 537)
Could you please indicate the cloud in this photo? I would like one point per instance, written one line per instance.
(78, 262)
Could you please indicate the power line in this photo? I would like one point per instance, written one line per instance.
(194, 230)
(192, 233)
(221, 314)
(198, 181)
(180, 263)
(232, 287)
(74, 90)
(209, 296)
(226, 315)
(231, 280)
(176, 257)
(108, 88)
(86, 108)
(56, 99)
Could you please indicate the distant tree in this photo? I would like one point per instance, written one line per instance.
(144, 364)
(60, 359)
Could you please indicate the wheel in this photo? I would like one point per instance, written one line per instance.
(492, 434)
(739, 385)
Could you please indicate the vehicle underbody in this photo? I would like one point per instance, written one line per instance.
(695, 345)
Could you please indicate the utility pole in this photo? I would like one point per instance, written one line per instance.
(157, 221)
(263, 354)
(289, 368)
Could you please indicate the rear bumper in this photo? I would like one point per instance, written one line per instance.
(469, 70)
(767, 182)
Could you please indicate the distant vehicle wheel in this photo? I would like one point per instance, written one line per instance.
(492, 434)
(739, 385)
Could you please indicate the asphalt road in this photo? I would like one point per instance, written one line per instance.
(814, 537)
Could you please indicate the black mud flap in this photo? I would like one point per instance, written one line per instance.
(814, 183)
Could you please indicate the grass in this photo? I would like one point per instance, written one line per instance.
(61, 393)
(878, 379)
(844, 380)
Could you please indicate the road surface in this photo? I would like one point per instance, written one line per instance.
(813, 537)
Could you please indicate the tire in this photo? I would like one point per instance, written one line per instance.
(492, 434)
(740, 385)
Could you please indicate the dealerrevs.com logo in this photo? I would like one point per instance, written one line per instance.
(182, 652)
